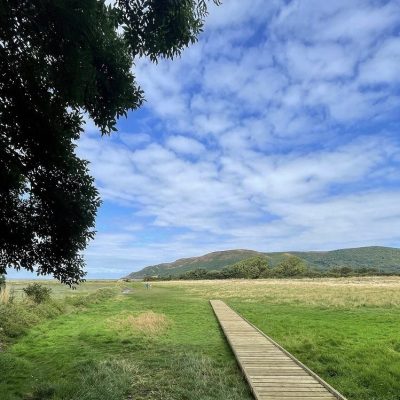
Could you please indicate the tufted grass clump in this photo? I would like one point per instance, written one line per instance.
(145, 323)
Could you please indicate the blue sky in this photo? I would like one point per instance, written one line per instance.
(278, 130)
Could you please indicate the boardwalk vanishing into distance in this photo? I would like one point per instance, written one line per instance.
(272, 372)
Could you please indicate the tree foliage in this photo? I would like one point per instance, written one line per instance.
(259, 268)
(291, 266)
(252, 268)
(61, 60)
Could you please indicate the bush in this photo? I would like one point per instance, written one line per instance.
(37, 292)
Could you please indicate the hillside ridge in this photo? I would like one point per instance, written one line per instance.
(385, 259)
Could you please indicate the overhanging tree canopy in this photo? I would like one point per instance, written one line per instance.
(60, 59)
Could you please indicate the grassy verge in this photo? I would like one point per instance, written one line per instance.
(18, 315)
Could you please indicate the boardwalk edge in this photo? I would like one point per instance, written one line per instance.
(332, 390)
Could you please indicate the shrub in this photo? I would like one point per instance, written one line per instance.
(37, 292)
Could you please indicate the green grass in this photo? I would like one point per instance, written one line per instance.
(59, 291)
(80, 355)
(346, 330)
(356, 350)
(87, 354)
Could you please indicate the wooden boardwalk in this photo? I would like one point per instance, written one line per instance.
(272, 372)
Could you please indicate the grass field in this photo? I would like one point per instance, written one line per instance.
(165, 343)
(61, 291)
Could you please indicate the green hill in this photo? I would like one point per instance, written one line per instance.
(210, 261)
(385, 259)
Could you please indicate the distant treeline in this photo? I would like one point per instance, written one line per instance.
(258, 268)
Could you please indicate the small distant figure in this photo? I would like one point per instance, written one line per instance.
(147, 285)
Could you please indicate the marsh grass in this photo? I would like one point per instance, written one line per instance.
(346, 330)
(60, 291)
(198, 377)
(97, 380)
(193, 376)
(62, 358)
(332, 292)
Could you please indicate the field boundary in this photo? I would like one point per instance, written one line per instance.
(215, 303)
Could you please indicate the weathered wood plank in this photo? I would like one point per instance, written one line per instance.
(272, 372)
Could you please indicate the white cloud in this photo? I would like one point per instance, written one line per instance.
(324, 61)
(382, 67)
(197, 194)
(358, 21)
(185, 145)
(134, 139)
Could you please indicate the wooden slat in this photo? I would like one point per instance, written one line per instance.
(271, 371)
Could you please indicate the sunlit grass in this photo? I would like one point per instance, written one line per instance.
(330, 292)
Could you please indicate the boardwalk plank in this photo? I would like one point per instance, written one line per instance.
(272, 372)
